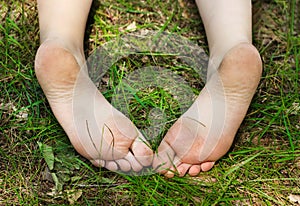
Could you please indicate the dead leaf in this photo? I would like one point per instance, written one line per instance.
(73, 195)
(185, 13)
(298, 162)
(181, 3)
(131, 27)
(46, 175)
(294, 198)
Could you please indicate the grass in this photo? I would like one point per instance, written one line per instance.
(263, 167)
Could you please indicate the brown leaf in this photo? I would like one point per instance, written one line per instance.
(294, 198)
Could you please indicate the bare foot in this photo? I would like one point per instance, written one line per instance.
(97, 130)
(204, 133)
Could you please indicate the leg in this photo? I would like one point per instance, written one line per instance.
(206, 131)
(100, 133)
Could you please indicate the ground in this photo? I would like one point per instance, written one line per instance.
(39, 166)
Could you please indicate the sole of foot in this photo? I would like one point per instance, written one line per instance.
(97, 130)
(205, 132)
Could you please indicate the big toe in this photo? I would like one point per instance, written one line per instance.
(183, 169)
(142, 151)
(134, 163)
(164, 158)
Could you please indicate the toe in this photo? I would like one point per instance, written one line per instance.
(194, 170)
(98, 163)
(170, 174)
(163, 160)
(135, 165)
(142, 151)
(124, 165)
(111, 165)
(207, 166)
(183, 168)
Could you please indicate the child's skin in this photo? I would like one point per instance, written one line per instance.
(233, 75)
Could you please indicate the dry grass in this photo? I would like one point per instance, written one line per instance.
(270, 130)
